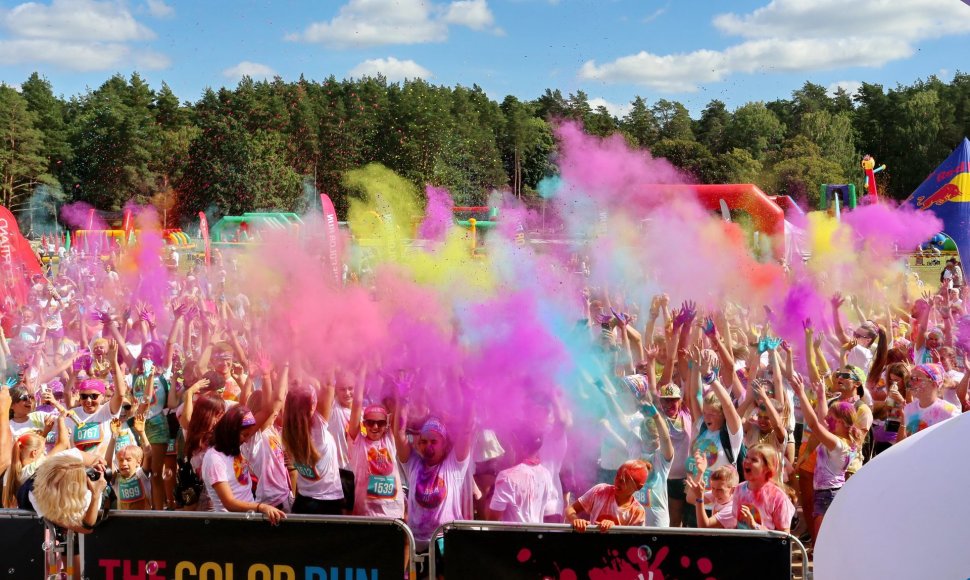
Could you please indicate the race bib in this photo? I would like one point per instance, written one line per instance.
(130, 490)
(642, 495)
(308, 471)
(381, 487)
(88, 436)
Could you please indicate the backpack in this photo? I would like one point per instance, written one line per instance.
(188, 486)
(725, 437)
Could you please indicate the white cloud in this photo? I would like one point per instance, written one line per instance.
(362, 23)
(615, 109)
(850, 87)
(474, 14)
(159, 9)
(75, 20)
(246, 68)
(794, 36)
(79, 35)
(392, 69)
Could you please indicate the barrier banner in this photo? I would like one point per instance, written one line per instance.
(560, 553)
(22, 541)
(151, 546)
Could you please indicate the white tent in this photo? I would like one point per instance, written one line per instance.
(906, 514)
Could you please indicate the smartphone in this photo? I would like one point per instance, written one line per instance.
(892, 425)
(147, 365)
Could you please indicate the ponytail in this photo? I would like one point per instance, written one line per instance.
(23, 444)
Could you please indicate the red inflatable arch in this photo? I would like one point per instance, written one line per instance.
(768, 217)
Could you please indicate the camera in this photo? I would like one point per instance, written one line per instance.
(95, 475)
(892, 425)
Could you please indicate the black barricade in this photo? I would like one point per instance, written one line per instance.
(21, 545)
(473, 551)
(149, 546)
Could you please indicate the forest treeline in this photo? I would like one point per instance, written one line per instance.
(262, 144)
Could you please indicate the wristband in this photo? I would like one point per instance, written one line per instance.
(699, 501)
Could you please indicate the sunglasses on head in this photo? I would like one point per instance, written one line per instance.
(89, 396)
(375, 423)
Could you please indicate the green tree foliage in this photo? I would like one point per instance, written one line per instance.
(640, 124)
(690, 156)
(49, 111)
(755, 128)
(22, 166)
(251, 146)
(799, 169)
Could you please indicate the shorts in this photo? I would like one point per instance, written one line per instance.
(156, 429)
(676, 490)
(823, 499)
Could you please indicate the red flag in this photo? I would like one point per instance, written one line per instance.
(17, 261)
(333, 237)
(204, 231)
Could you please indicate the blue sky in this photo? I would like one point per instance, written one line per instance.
(689, 50)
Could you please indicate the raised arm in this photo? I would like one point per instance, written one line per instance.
(837, 301)
(731, 417)
(819, 431)
(121, 386)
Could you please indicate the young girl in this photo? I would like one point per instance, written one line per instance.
(28, 453)
(204, 413)
(225, 471)
(839, 441)
(373, 458)
(264, 450)
(760, 503)
(313, 450)
(926, 409)
(724, 480)
(609, 505)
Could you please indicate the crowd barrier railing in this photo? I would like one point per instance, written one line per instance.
(150, 545)
(220, 546)
(475, 550)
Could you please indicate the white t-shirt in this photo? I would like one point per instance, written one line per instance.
(653, 495)
(218, 467)
(434, 494)
(378, 488)
(339, 419)
(552, 454)
(264, 452)
(859, 356)
(35, 422)
(680, 429)
(322, 480)
(524, 494)
(94, 433)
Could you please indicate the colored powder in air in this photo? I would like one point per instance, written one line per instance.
(438, 215)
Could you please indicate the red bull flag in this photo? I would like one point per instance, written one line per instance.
(17, 261)
(946, 193)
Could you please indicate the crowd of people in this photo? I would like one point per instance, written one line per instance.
(703, 420)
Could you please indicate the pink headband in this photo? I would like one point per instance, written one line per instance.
(375, 410)
(92, 385)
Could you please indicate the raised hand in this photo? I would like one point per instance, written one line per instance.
(709, 328)
(837, 300)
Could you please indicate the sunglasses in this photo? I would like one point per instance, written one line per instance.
(375, 424)
(89, 396)
(848, 376)
(126, 406)
(24, 397)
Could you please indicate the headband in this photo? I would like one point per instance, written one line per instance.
(92, 385)
(933, 370)
(375, 410)
(434, 425)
